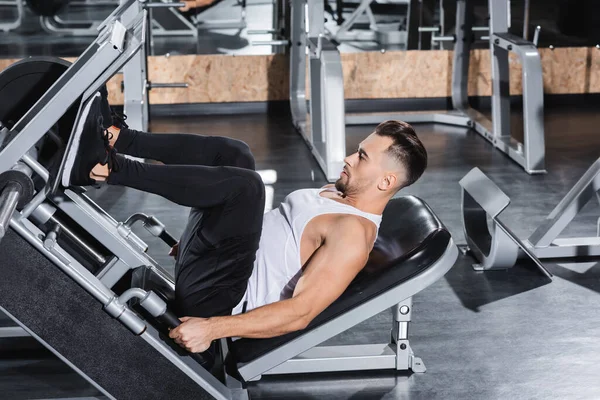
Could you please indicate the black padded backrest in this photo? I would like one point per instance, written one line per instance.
(411, 239)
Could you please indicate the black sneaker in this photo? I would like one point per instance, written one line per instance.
(106, 110)
(90, 146)
(110, 116)
(118, 120)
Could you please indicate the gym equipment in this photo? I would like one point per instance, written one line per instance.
(166, 20)
(384, 34)
(402, 263)
(136, 85)
(83, 285)
(47, 8)
(495, 246)
(280, 21)
(202, 21)
(7, 26)
(323, 127)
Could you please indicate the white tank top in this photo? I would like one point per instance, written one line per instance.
(278, 264)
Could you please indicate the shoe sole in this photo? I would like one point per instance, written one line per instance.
(74, 149)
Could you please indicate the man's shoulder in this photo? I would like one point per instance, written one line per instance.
(351, 227)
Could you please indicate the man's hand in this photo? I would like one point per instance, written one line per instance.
(174, 250)
(188, 5)
(193, 334)
(195, 4)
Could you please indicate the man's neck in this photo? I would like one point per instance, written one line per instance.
(374, 205)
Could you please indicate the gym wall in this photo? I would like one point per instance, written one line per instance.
(367, 75)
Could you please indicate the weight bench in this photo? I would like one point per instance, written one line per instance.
(412, 252)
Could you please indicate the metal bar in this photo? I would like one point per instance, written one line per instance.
(462, 54)
(36, 166)
(499, 15)
(164, 5)
(261, 32)
(526, 20)
(428, 29)
(88, 249)
(569, 248)
(339, 358)
(443, 38)
(298, 65)
(332, 113)
(533, 109)
(169, 85)
(270, 43)
(12, 332)
(9, 199)
(536, 35)
(564, 212)
(523, 248)
(135, 79)
(485, 192)
(347, 25)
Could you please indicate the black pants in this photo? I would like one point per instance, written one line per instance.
(215, 177)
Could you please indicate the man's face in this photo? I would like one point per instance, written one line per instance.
(366, 168)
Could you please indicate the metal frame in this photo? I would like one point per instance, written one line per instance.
(296, 356)
(330, 151)
(206, 24)
(396, 355)
(322, 125)
(136, 86)
(115, 46)
(375, 33)
(531, 154)
(9, 26)
(161, 18)
(499, 248)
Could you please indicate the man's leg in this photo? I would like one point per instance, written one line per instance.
(217, 259)
(183, 149)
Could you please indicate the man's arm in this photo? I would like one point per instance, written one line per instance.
(329, 272)
(191, 4)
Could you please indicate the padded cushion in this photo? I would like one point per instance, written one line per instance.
(411, 239)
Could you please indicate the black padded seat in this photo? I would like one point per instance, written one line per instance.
(411, 239)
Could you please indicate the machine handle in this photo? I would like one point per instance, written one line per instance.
(168, 238)
(164, 5)
(9, 199)
(170, 319)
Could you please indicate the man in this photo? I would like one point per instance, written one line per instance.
(274, 274)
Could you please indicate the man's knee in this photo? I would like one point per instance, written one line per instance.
(251, 191)
(239, 155)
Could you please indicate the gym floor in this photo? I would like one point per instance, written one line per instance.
(495, 335)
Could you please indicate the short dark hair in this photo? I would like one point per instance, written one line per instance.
(407, 149)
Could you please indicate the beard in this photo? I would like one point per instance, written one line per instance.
(341, 186)
(347, 187)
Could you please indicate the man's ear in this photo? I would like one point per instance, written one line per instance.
(389, 181)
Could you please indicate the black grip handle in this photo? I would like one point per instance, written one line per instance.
(170, 319)
(168, 238)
